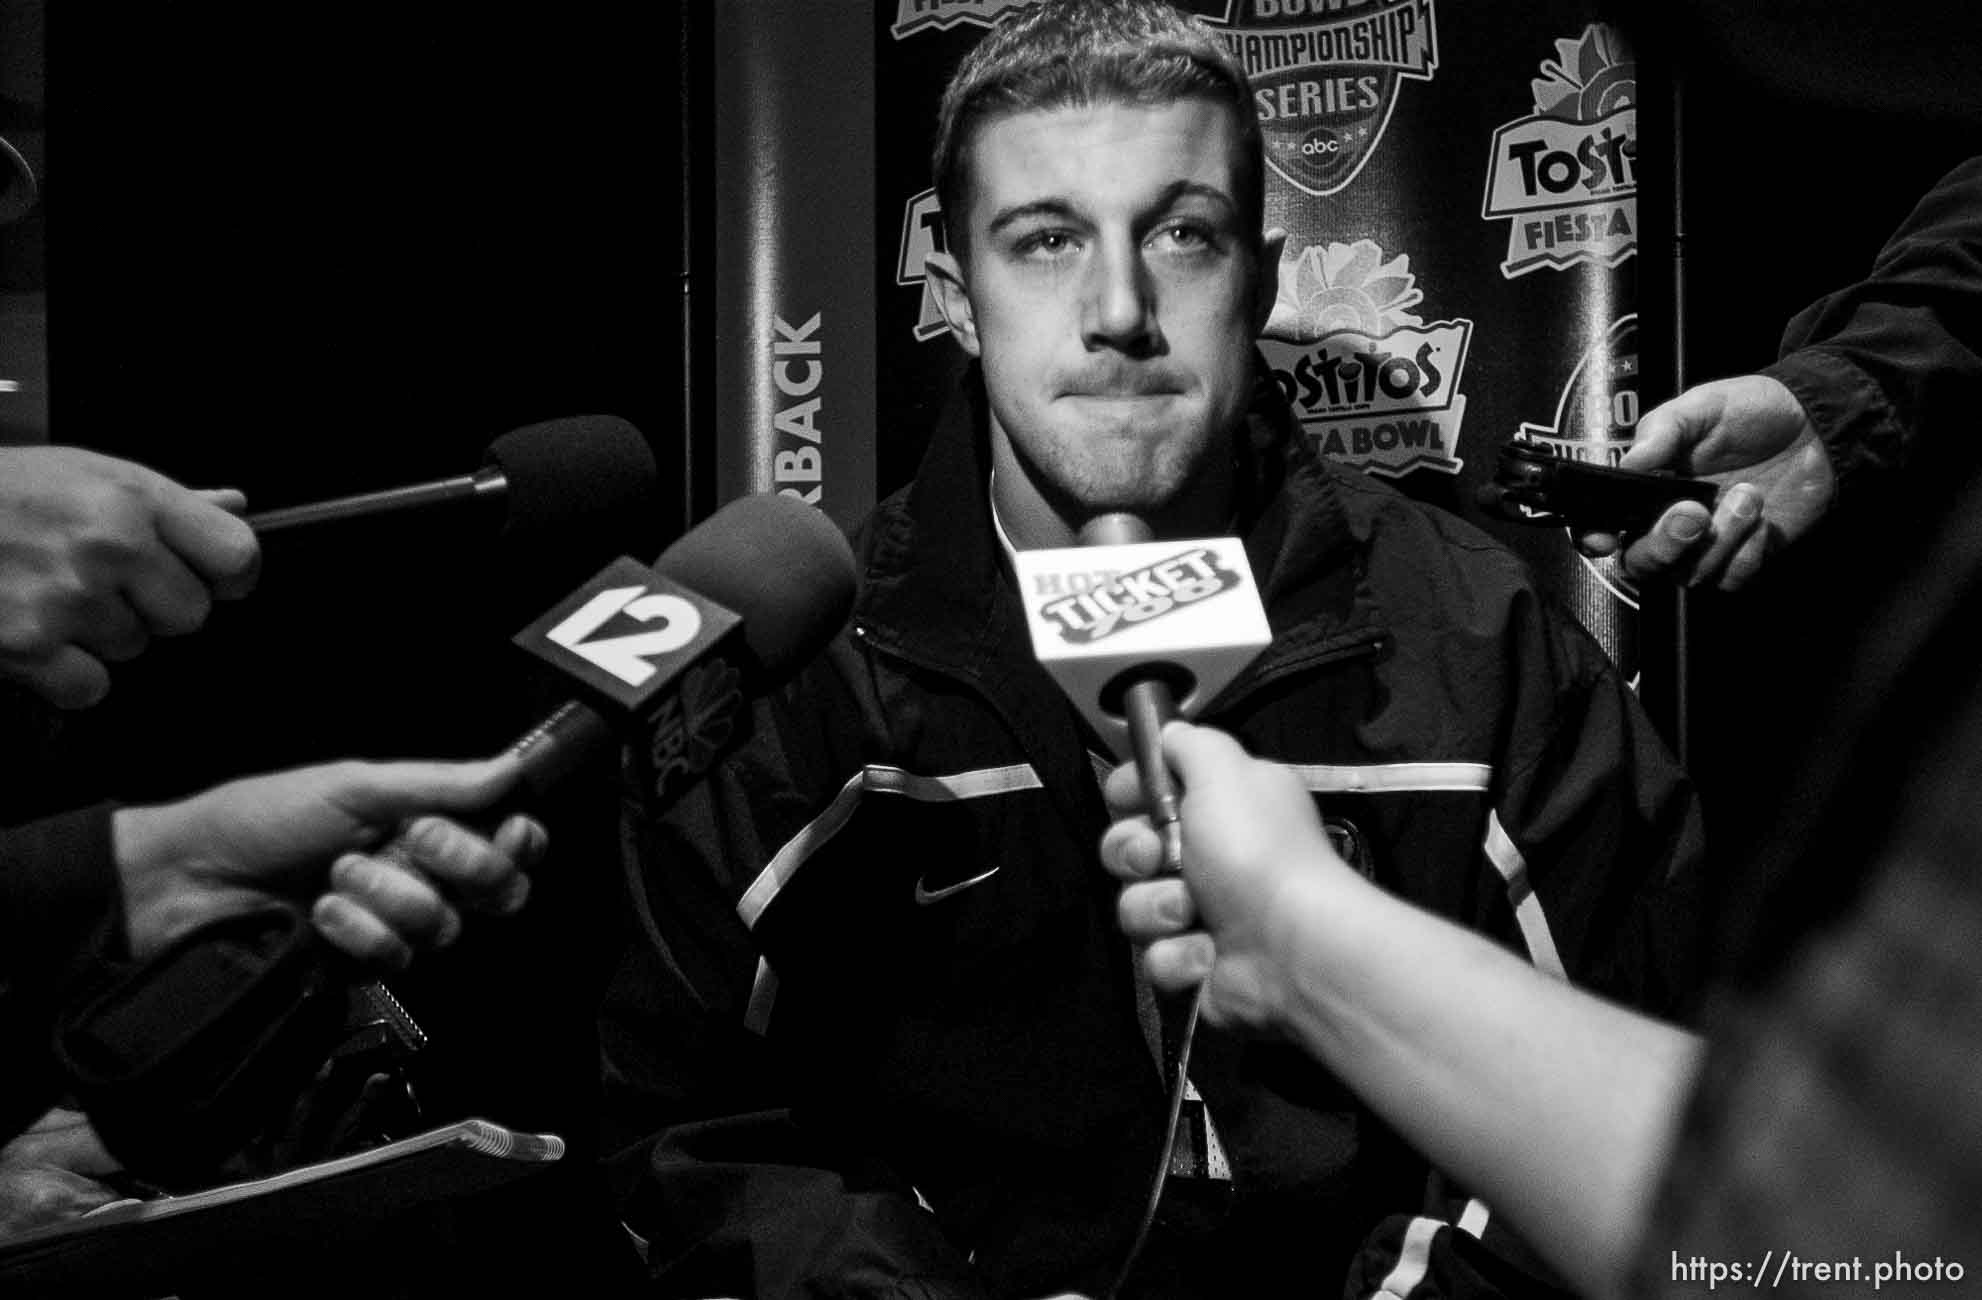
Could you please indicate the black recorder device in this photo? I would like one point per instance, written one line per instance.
(1532, 485)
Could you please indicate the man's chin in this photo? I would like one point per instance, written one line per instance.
(1142, 491)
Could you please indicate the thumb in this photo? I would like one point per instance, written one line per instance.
(389, 791)
(1668, 432)
(1202, 756)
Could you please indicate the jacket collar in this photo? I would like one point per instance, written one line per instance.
(937, 590)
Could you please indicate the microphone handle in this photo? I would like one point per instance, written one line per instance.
(1147, 705)
(463, 487)
(570, 735)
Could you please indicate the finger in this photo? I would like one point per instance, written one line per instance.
(232, 500)
(524, 839)
(1122, 789)
(351, 929)
(1183, 962)
(167, 595)
(36, 1196)
(215, 543)
(107, 627)
(526, 842)
(1736, 516)
(1597, 545)
(398, 895)
(1131, 849)
(70, 678)
(460, 862)
(1668, 549)
(1155, 909)
(1748, 559)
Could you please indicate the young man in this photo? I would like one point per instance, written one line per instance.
(880, 1034)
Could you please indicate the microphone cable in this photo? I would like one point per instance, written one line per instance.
(1178, 1083)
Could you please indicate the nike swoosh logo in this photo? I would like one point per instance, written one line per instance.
(924, 895)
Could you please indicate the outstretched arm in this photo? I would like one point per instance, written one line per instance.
(1863, 378)
(371, 848)
(1556, 1105)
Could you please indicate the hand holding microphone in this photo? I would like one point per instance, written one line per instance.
(1257, 869)
(97, 556)
(400, 864)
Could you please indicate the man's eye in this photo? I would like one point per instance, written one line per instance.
(1048, 242)
(1184, 236)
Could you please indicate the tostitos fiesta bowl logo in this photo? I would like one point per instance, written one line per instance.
(1566, 177)
(1373, 386)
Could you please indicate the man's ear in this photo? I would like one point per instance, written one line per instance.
(1266, 287)
(953, 299)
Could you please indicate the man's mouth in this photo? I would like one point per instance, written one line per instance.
(1122, 385)
(1122, 392)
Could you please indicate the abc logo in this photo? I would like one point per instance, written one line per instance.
(1320, 143)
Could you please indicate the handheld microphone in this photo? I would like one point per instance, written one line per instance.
(672, 653)
(1138, 631)
(542, 474)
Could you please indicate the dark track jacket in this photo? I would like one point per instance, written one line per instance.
(877, 1034)
(60, 907)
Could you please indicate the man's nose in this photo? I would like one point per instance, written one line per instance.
(1120, 305)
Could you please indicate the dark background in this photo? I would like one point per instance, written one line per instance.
(1808, 130)
(312, 250)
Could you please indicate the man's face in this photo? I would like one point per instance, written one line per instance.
(1112, 296)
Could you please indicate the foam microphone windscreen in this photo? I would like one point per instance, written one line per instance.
(666, 656)
(780, 564)
(581, 467)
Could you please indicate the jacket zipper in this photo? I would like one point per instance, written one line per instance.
(1303, 663)
(1307, 662)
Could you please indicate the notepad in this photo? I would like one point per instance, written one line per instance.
(126, 1240)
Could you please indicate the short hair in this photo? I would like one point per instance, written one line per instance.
(1072, 53)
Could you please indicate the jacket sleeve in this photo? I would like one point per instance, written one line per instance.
(1595, 831)
(59, 906)
(718, 1178)
(1594, 863)
(1901, 350)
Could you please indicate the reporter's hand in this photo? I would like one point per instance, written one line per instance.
(52, 1172)
(1750, 435)
(97, 555)
(1255, 860)
(369, 845)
